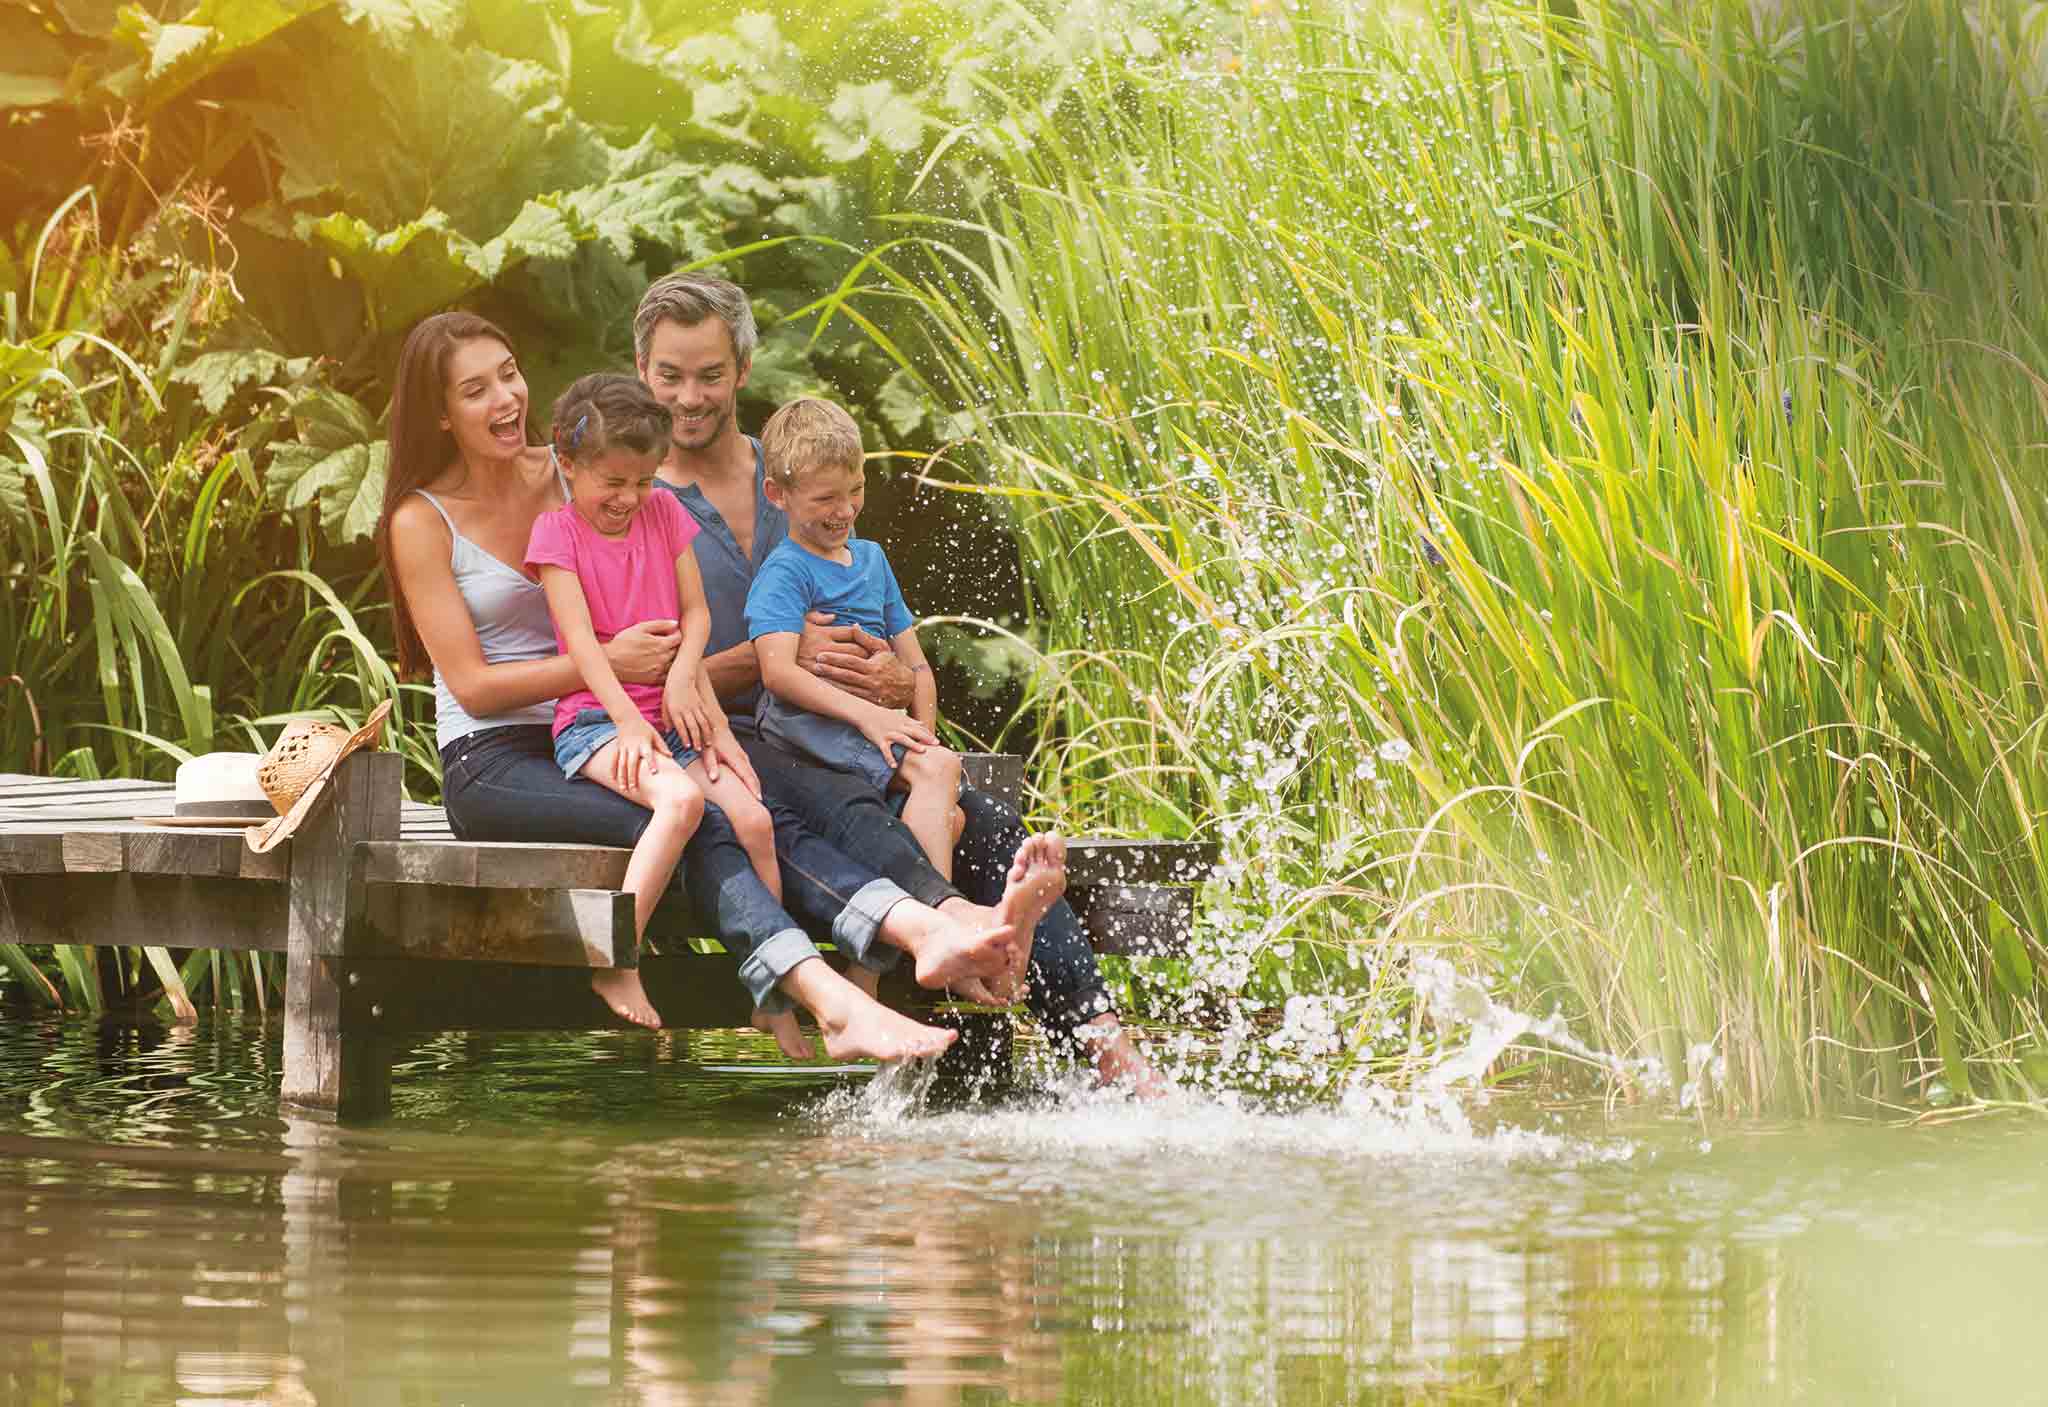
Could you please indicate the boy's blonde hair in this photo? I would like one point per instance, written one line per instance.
(809, 434)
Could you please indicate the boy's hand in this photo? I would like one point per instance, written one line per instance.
(887, 730)
(638, 746)
(682, 707)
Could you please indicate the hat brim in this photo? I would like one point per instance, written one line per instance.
(274, 832)
(228, 822)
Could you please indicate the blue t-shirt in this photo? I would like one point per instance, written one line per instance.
(793, 582)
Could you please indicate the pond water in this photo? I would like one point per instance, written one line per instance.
(639, 1220)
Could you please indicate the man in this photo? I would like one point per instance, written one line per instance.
(693, 342)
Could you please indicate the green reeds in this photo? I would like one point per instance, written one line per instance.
(1562, 487)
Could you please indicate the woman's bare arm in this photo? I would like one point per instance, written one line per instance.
(420, 547)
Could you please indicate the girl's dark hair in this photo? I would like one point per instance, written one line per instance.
(420, 447)
(605, 411)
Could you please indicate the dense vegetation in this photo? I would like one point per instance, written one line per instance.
(1564, 485)
(1553, 483)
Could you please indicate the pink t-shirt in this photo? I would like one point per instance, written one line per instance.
(626, 580)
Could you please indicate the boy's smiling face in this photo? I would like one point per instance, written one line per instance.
(822, 506)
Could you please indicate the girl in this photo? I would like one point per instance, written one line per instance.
(615, 555)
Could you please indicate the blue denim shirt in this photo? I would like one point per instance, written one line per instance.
(728, 573)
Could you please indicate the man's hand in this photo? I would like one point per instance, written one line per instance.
(856, 661)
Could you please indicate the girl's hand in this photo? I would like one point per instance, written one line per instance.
(641, 654)
(886, 730)
(682, 708)
(725, 751)
(638, 746)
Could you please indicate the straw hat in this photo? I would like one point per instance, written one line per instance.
(217, 789)
(294, 773)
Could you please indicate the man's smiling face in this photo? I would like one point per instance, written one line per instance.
(691, 371)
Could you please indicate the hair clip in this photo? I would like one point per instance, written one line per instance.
(576, 435)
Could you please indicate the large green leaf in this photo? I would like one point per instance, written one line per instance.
(35, 64)
(347, 483)
(216, 376)
(398, 19)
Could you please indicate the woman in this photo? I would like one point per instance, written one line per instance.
(463, 489)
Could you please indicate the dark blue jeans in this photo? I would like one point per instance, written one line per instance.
(503, 784)
(1066, 985)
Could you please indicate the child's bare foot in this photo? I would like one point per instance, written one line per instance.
(1118, 1061)
(1038, 877)
(789, 1037)
(621, 991)
(866, 1030)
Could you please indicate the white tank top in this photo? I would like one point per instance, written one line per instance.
(510, 613)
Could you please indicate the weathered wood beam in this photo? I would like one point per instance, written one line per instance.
(1136, 920)
(510, 866)
(400, 996)
(330, 1063)
(70, 847)
(581, 928)
(173, 911)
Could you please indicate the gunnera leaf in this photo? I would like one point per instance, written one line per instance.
(216, 376)
(347, 483)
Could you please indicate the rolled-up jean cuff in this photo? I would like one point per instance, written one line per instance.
(1064, 1016)
(860, 922)
(770, 962)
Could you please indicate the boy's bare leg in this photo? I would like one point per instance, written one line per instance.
(1117, 1059)
(932, 778)
(789, 1036)
(678, 805)
(855, 1026)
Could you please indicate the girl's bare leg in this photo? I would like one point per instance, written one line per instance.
(750, 822)
(677, 804)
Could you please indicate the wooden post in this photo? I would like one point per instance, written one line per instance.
(331, 1064)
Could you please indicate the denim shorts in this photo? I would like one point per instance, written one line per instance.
(829, 742)
(592, 728)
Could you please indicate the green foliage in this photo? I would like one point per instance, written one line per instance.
(1560, 489)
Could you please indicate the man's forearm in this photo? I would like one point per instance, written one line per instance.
(733, 671)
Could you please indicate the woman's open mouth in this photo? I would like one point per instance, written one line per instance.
(509, 428)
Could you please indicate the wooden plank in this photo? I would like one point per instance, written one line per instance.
(581, 928)
(193, 852)
(173, 911)
(15, 785)
(30, 852)
(1138, 861)
(506, 865)
(330, 1063)
(399, 996)
(494, 865)
(90, 852)
(1136, 920)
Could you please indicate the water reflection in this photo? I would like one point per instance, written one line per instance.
(626, 1222)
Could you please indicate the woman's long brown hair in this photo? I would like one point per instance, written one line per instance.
(420, 448)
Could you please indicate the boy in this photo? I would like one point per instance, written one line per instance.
(813, 459)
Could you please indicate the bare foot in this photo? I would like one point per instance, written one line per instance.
(1118, 1061)
(963, 956)
(1038, 877)
(870, 1031)
(621, 991)
(789, 1037)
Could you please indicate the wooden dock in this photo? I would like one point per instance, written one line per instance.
(392, 927)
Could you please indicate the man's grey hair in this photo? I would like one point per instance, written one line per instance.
(689, 299)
